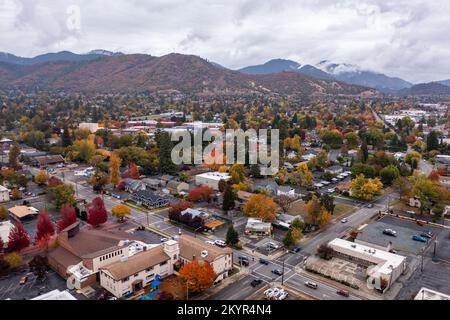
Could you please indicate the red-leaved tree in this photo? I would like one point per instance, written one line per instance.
(53, 182)
(44, 226)
(134, 171)
(202, 193)
(97, 213)
(68, 217)
(18, 238)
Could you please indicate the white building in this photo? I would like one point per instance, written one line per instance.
(428, 294)
(137, 269)
(211, 179)
(381, 264)
(56, 295)
(4, 194)
(256, 227)
(91, 126)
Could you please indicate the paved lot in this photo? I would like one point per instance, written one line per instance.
(373, 233)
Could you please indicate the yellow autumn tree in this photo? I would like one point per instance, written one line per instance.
(262, 207)
(114, 167)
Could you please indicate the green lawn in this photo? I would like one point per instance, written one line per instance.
(343, 210)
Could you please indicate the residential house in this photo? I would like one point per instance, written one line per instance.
(243, 197)
(133, 185)
(166, 178)
(152, 183)
(150, 199)
(221, 259)
(285, 191)
(177, 187)
(4, 194)
(334, 170)
(23, 212)
(5, 229)
(47, 160)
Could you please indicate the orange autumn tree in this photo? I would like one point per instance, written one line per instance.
(261, 206)
(202, 193)
(197, 275)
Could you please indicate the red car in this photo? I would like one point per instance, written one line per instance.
(343, 293)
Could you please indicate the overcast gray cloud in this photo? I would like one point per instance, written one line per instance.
(405, 38)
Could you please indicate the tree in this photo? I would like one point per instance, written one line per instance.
(120, 211)
(261, 206)
(16, 194)
(317, 214)
(3, 213)
(237, 173)
(68, 217)
(288, 239)
(389, 174)
(433, 141)
(428, 192)
(18, 238)
(82, 150)
(331, 137)
(202, 193)
(39, 266)
(413, 159)
(232, 236)
(97, 213)
(228, 198)
(327, 202)
(44, 226)
(197, 275)
(14, 153)
(402, 185)
(41, 178)
(66, 139)
(366, 189)
(134, 171)
(285, 202)
(14, 260)
(352, 140)
(364, 152)
(255, 171)
(362, 168)
(114, 168)
(98, 180)
(61, 195)
(164, 145)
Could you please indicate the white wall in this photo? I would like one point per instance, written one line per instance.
(4, 196)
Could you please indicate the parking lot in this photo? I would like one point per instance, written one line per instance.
(373, 233)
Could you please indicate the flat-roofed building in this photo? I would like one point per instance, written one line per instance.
(428, 294)
(56, 295)
(211, 179)
(382, 266)
(256, 227)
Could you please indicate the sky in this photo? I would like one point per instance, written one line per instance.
(404, 38)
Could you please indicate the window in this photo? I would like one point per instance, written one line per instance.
(163, 263)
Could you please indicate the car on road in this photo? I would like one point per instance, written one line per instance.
(23, 280)
(264, 261)
(220, 243)
(343, 293)
(278, 272)
(331, 190)
(390, 232)
(244, 261)
(419, 238)
(310, 284)
(256, 283)
(344, 220)
(271, 245)
(296, 250)
(427, 234)
(164, 239)
(370, 205)
(334, 180)
(210, 242)
(410, 212)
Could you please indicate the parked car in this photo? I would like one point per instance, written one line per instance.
(264, 261)
(310, 284)
(410, 212)
(370, 205)
(390, 232)
(419, 238)
(271, 245)
(283, 295)
(220, 243)
(420, 223)
(256, 283)
(296, 250)
(23, 280)
(278, 272)
(344, 220)
(274, 293)
(164, 239)
(331, 190)
(210, 242)
(343, 293)
(268, 292)
(277, 295)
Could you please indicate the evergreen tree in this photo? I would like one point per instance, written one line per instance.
(66, 139)
(432, 141)
(18, 238)
(364, 151)
(164, 144)
(228, 198)
(232, 236)
(288, 239)
(14, 153)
